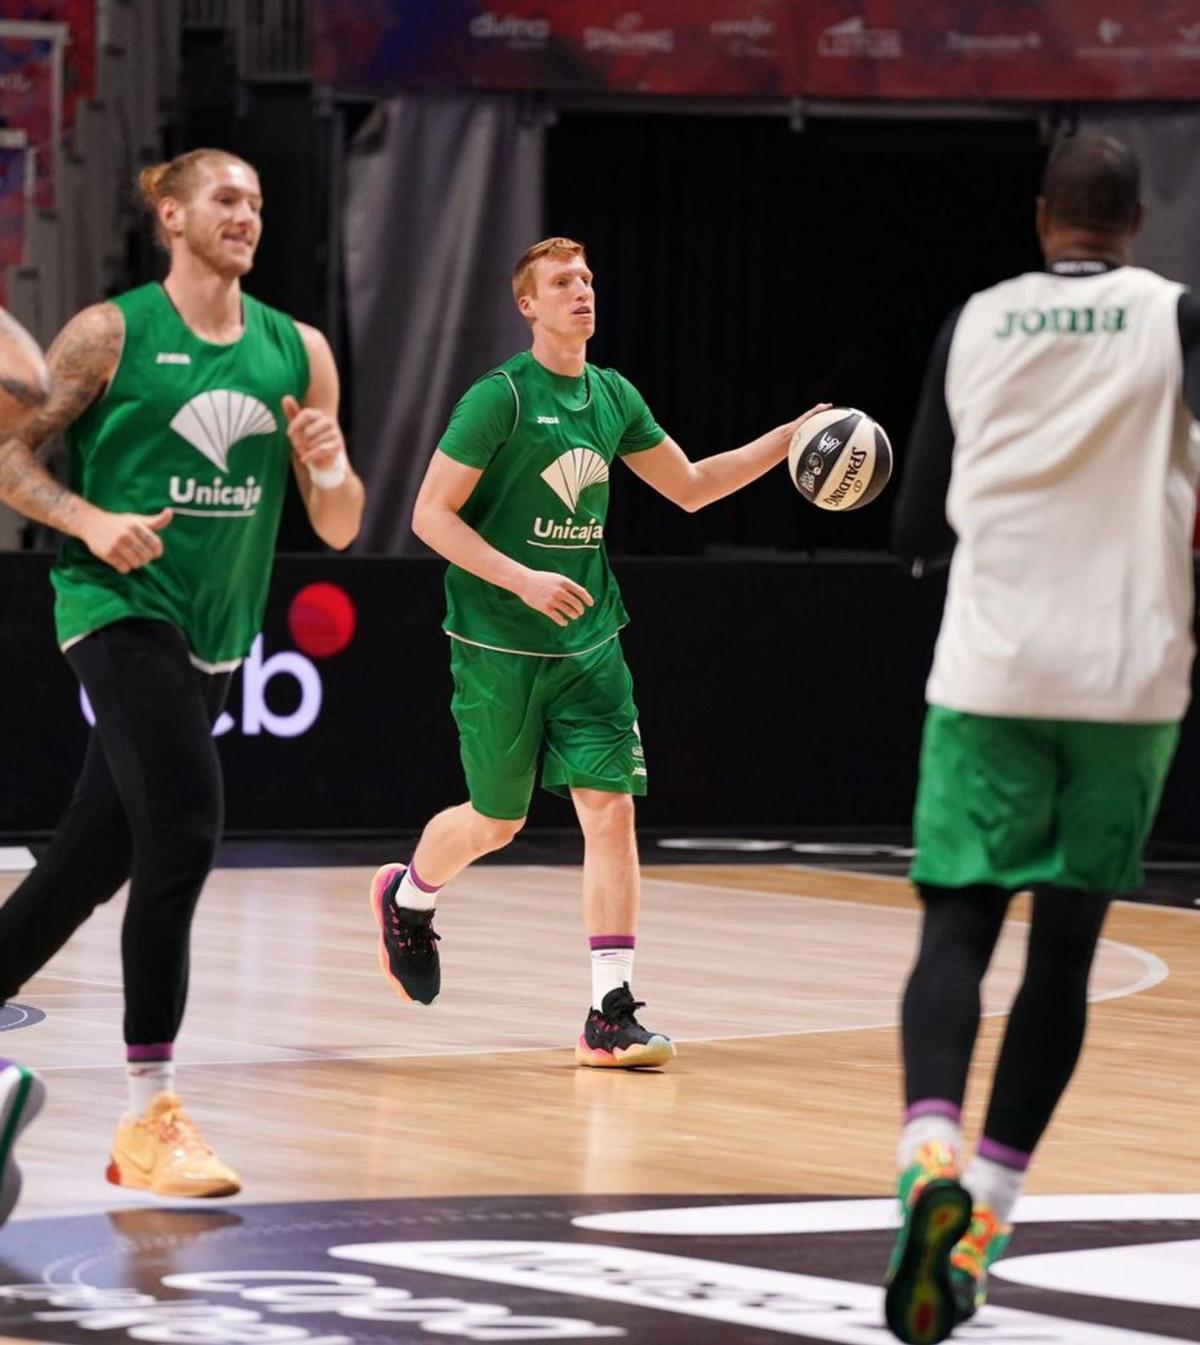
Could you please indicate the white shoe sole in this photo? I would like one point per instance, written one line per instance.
(21, 1096)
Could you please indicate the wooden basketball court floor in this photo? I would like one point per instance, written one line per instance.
(780, 984)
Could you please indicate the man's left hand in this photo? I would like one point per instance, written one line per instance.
(315, 437)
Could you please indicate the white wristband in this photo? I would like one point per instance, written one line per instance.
(329, 478)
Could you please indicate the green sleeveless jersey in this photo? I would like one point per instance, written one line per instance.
(200, 428)
(545, 443)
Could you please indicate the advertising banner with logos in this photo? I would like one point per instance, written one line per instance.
(16, 173)
(1064, 49)
(727, 47)
(31, 87)
(339, 720)
(79, 58)
(836, 49)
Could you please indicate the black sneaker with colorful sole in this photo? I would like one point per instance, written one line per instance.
(612, 1037)
(408, 954)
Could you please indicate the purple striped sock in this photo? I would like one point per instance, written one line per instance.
(1002, 1154)
(419, 883)
(934, 1106)
(598, 942)
(161, 1050)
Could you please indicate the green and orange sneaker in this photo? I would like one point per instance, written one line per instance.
(920, 1304)
(985, 1242)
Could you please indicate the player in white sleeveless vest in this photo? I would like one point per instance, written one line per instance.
(1051, 453)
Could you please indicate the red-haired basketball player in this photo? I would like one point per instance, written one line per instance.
(515, 498)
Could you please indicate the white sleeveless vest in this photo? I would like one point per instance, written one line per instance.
(1072, 494)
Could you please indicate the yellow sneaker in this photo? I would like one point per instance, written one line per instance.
(164, 1152)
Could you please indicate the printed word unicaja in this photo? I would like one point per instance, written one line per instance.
(245, 496)
(568, 531)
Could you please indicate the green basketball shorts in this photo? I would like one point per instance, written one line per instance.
(1016, 802)
(511, 707)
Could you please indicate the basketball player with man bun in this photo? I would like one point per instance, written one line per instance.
(24, 387)
(184, 405)
(515, 498)
(1053, 436)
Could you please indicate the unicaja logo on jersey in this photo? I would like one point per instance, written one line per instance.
(571, 474)
(568, 476)
(213, 422)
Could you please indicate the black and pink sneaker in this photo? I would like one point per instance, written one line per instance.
(612, 1037)
(408, 954)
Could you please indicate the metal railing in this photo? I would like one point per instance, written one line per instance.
(274, 39)
(207, 14)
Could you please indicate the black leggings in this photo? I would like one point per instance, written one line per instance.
(1046, 1027)
(147, 806)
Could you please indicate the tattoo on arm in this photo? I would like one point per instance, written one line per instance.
(20, 390)
(22, 369)
(82, 359)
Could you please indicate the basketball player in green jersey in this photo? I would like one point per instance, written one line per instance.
(184, 404)
(515, 499)
(24, 387)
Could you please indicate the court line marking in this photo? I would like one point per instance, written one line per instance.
(74, 980)
(1156, 971)
(107, 991)
(855, 1214)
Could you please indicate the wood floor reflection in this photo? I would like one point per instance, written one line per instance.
(780, 983)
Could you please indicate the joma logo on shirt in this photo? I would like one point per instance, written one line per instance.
(1060, 321)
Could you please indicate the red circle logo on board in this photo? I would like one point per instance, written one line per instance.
(321, 618)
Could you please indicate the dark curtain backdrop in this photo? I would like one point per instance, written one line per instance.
(443, 195)
(745, 271)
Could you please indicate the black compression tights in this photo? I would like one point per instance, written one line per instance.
(1046, 1026)
(147, 806)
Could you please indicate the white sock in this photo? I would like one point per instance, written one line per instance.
(927, 1129)
(995, 1185)
(147, 1078)
(413, 897)
(611, 968)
